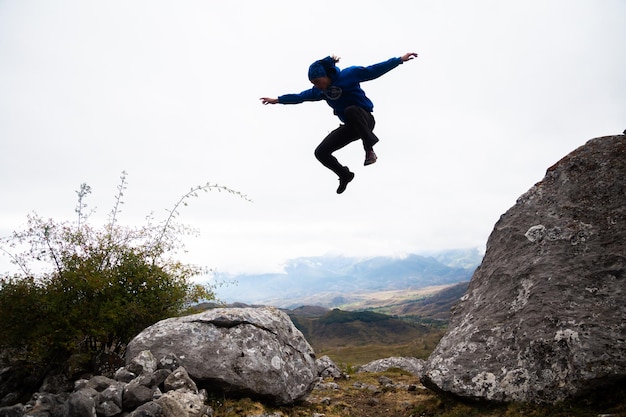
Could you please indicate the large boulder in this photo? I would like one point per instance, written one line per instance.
(251, 351)
(544, 316)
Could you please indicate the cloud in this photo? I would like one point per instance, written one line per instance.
(169, 92)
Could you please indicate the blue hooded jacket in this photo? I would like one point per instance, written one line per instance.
(345, 89)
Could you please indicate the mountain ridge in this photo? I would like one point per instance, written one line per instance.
(335, 280)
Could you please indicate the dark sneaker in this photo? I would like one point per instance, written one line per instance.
(370, 158)
(343, 182)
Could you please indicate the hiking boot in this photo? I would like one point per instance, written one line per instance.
(344, 180)
(370, 158)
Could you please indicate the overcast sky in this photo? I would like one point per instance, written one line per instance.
(169, 92)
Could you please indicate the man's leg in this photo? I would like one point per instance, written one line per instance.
(363, 123)
(335, 140)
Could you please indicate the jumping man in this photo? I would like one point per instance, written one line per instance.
(342, 91)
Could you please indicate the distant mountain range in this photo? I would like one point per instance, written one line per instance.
(333, 281)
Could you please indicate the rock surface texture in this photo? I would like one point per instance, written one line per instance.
(251, 351)
(544, 317)
(412, 365)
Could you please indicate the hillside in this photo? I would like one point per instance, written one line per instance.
(358, 337)
(437, 306)
(425, 306)
(337, 327)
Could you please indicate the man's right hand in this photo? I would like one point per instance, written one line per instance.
(268, 100)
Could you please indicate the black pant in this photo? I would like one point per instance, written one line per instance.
(359, 124)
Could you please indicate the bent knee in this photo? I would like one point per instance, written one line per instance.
(320, 152)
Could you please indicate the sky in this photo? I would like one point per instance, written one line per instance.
(168, 91)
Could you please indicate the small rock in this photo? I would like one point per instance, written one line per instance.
(100, 383)
(184, 403)
(81, 403)
(107, 409)
(149, 409)
(16, 410)
(384, 381)
(124, 375)
(144, 361)
(326, 368)
(327, 386)
(169, 361)
(136, 395)
(180, 380)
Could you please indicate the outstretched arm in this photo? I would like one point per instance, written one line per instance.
(268, 100)
(374, 71)
(312, 94)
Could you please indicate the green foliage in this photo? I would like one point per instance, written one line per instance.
(341, 316)
(86, 289)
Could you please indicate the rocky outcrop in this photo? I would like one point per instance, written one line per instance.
(250, 351)
(544, 316)
(144, 388)
(255, 352)
(414, 366)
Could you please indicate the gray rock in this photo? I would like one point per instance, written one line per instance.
(44, 403)
(543, 317)
(150, 409)
(151, 379)
(80, 384)
(326, 368)
(141, 362)
(327, 386)
(107, 409)
(16, 410)
(169, 361)
(180, 380)
(136, 395)
(81, 403)
(124, 375)
(100, 383)
(160, 376)
(384, 381)
(112, 394)
(257, 351)
(183, 404)
(413, 365)
(363, 386)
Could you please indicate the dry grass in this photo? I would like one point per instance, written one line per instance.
(363, 395)
(352, 356)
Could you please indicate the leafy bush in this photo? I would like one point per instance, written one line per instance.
(86, 289)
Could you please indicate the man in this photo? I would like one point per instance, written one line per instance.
(342, 91)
